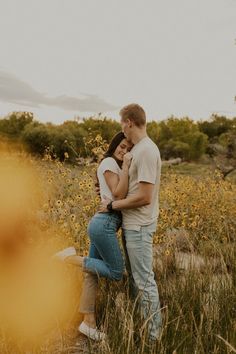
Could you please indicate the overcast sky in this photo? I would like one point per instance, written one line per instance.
(67, 58)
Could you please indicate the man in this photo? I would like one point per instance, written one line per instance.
(140, 211)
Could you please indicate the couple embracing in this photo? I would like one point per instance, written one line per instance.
(129, 180)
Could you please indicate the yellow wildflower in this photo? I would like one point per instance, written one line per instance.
(59, 203)
(167, 252)
(86, 208)
(77, 226)
(72, 217)
(98, 138)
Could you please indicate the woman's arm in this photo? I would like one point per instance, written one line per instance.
(118, 184)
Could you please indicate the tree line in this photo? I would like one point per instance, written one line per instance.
(175, 137)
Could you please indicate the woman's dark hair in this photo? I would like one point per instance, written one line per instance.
(116, 140)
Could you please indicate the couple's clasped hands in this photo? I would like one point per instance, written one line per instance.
(126, 164)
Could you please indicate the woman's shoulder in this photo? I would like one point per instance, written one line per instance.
(109, 160)
(109, 163)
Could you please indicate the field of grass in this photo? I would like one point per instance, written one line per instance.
(198, 291)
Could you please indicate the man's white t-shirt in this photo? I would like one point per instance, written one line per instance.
(108, 164)
(145, 167)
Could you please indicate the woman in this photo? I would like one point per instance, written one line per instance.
(105, 256)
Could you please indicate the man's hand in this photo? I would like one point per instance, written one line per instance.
(103, 205)
(97, 188)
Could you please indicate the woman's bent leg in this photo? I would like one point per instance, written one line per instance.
(102, 232)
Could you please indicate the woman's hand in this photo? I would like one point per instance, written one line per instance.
(127, 159)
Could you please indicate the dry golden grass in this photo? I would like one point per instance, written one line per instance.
(198, 211)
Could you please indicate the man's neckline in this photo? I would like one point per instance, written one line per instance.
(145, 137)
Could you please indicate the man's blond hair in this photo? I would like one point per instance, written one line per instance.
(135, 113)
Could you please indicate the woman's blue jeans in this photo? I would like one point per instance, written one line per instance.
(105, 257)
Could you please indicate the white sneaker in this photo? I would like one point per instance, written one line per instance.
(67, 252)
(92, 333)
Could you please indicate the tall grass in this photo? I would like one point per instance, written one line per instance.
(198, 308)
(198, 303)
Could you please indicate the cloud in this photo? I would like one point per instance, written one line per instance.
(91, 103)
(14, 90)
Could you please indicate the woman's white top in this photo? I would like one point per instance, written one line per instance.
(108, 164)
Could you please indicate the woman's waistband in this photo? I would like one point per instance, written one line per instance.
(115, 213)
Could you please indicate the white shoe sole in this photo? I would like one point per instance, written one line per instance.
(67, 252)
(92, 333)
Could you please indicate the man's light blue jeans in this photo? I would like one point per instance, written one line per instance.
(139, 259)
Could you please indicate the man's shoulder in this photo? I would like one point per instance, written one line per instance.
(148, 147)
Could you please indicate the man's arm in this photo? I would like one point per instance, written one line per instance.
(142, 197)
(146, 175)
